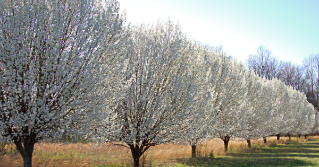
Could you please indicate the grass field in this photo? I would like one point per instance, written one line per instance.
(275, 153)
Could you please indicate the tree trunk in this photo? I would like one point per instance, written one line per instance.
(226, 145)
(194, 151)
(136, 161)
(265, 139)
(136, 156)
(138, 151)
(27, 161)
(278, 137)
(26, 153)
(249, 143)
(226, 140)
(26, 150)
(305, 136)
(289, 137)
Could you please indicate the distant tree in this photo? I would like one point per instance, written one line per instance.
(293, 75)
(264, 64)
(287, 74)
(277, 93)
(53, 56)
(311, 67)
(311, 98)
(300, 79)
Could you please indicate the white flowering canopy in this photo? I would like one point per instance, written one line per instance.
(58, 62)
(204, 112)
(256, 110)
(162, 94)
(291, 113)
(228, 86)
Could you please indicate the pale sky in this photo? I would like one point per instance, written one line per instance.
(289, 28)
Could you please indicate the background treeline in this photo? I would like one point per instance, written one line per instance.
(304, 77)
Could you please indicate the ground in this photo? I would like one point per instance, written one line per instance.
(275, 153)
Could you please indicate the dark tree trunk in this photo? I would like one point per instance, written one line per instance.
(289, 137)
(278, 137)
(265, 139)
(249, 143)
(226, 141)
(138, 151)
(136, 154)
(27, 161)
(305, 136)
(226, 145)
(194, 155)
(26, 149)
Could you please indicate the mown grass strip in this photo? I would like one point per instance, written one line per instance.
(290, 154)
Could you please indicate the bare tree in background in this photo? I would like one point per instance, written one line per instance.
(293, 75)
(287, 73)
(300, 79)
(311, 70)
(264, 64)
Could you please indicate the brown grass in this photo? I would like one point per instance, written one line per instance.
(57, 154)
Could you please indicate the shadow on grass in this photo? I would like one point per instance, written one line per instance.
(300, 145)
(290, 151)
(230, 161)
(290, 154)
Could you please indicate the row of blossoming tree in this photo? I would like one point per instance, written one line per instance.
(73, 68)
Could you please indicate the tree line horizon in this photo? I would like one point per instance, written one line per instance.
(302, 77)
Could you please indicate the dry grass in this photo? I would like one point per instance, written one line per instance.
(56, 154)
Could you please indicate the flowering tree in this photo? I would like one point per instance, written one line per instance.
(290, 111)
(256, 109)
(315, 127)
(53, 56)
(163, 89)
(304, 113)
(228, 83)
(202, 120)
(274, 122)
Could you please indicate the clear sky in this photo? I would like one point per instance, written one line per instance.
(289, 28)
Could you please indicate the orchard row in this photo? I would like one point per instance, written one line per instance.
(75, 69)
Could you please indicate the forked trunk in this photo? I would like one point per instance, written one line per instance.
(194, 151)
(138, 151)
(26, 150)
(226, 141)
(265, 139)
(249, 143)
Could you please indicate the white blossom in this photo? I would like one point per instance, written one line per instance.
(58, 62)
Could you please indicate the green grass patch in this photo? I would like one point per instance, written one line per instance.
(290, 154)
